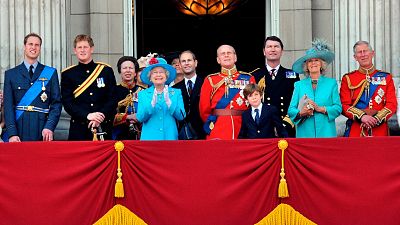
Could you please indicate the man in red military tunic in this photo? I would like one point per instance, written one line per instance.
(221, 99)
(368, 96)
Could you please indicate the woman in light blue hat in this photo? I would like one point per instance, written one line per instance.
(315, 102)
(159, 105)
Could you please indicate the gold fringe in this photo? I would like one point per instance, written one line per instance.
(119, 186)
(285, 214)
(283, 191)
(120, 215)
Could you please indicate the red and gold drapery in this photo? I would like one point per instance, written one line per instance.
(330, 181)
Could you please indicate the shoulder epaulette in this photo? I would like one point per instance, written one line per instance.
(245, 73)
(141, 86)
(213, 74)
(254, 70)
(67, 68)
(350, 72)
(103, 63)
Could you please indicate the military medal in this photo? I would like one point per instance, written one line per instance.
(100, 82)
(43, 96)
(239, 101)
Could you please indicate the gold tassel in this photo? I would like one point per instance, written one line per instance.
(283, 191)
(285, 214)
(119, 186)
(120, 215)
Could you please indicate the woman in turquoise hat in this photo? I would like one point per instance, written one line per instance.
(315, 102)
(159, 105)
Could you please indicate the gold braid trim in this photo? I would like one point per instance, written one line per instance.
(214, 86)
(288, 120)
(382, 114)
(357, 113)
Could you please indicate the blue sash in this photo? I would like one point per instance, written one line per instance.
(34, 90)
(225, 100)
(223, 103)
(363, 102)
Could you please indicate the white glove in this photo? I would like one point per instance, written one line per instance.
(154, 100)
(166, 96)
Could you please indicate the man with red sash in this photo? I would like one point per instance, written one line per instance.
(221, 98)
(32, 103)
(86, 91)
(368, 96)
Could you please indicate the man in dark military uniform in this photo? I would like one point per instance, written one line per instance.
(276, 82)
(86, 91)
(32, 103)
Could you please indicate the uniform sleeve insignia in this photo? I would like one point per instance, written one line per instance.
(67, 68)
(245, 73)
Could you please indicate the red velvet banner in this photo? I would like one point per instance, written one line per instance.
(330, 181)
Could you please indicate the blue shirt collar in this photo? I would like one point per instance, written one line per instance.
(27, 65)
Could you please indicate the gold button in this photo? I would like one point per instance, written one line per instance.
(269, 104)
(258, 131)
(31, 83)
(19, 88)
(268, 98)
(281, 103)
(281, 97)
(91, 104)
(282, 110)
(91, 93)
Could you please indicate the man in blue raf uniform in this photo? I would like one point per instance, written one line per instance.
(32, 104)
(86, 91)
(276, 82)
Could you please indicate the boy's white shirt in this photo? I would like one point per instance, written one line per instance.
(253, 113)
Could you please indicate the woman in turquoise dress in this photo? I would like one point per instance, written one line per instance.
(315, 102)
(160, 106)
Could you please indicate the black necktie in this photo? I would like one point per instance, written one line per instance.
(272, 72)
(31, 71)
(257, 117)
(190, 87)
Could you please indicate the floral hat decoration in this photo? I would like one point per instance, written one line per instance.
(319, 49)
(157, 62)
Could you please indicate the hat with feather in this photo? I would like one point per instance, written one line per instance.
(319, 50)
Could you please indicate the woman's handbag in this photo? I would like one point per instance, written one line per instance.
(187, 132)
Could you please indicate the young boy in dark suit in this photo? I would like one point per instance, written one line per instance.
(260, 120)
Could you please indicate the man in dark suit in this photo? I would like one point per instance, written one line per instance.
(86, 91)
(276, 82)
(260, 120)
(190, 87)
(32, 101)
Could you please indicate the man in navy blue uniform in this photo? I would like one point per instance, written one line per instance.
(276, 82)
(86, 91)
(32, 104)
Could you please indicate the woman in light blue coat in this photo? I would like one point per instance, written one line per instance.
(159, 105)
(315, 101)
